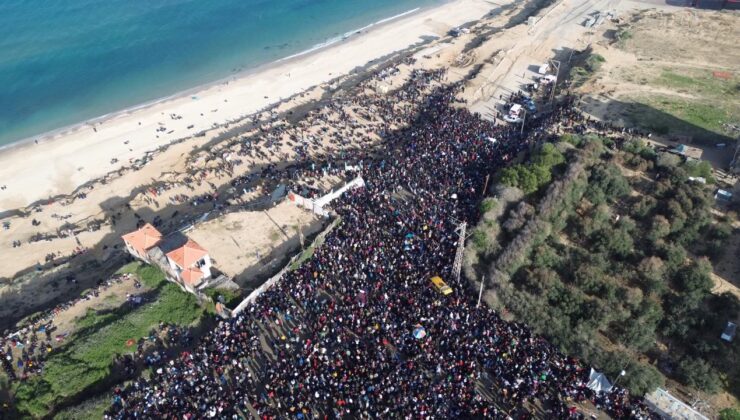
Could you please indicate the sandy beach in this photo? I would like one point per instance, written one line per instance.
(125, 170)
(60, 163)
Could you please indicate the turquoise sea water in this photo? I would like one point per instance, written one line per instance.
(66, 61)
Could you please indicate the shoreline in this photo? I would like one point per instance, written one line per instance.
(49, 136)
(73, 157)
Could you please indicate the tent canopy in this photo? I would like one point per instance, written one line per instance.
(598, 381)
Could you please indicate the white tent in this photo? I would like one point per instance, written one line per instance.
(598, 381)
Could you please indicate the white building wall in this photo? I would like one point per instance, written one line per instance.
(206, 268)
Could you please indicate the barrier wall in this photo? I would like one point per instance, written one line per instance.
(317, 206)
(269, 283)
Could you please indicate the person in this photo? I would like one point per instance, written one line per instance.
(333, 338)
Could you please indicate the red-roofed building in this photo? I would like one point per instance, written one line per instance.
(142, 240)
(191, 263)
(180, 257)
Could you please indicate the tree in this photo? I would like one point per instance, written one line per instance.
(659, 229)
(510, 176)
(548, 156)
(680, 316)
(542, 173)
(527, 179)
(674, 255)
(699, 374)
(674, 212)
(609, 178)
(696, 279)
(616, 242)
(639, 331)
(652, 271)
(641, 379)
(643, 207)
(668, 160)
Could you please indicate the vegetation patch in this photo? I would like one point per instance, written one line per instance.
(88, 358)
(228, 297)
(579, 74)
(602, 268)
(530, 177)
(669, 115)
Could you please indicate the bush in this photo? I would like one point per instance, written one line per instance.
(228, 297)
(729, 414)
(480, 240)
(700, 168)
(640, 148)
(488, 204)
(573, 139)
(667, 160)
(594, 62)
(699, 374)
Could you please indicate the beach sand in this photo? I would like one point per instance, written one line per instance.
(115, 197)
(61, 162)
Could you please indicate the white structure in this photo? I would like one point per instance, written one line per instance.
(665, 404)
(317, 206)
(729, 333)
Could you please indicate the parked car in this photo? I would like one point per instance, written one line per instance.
(512, 119)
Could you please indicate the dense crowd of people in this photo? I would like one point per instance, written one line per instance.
(339, 336)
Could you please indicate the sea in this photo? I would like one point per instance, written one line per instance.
(63, 62)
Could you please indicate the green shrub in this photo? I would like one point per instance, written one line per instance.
(488, 204)
(480, 240)
(594, 62)
(698, 374)
(573, 139)
(700, 169)
(729, 414)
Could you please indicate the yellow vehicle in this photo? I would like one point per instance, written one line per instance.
(441, 286)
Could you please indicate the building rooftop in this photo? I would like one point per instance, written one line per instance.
(187, 255)
(143, 239)
(192, 276)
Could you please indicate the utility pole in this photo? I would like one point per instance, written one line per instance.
(485, 186)
(524, 118)
(555, 83)
(480, 294)
(457, 266)
(622, 373)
